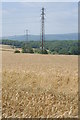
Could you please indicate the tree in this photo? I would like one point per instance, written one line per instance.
(24, 50)
(74, 50)
(27, 49)
(44, 51)
(16, 51)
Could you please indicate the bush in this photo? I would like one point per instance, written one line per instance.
(44, 52)
(37, 51)
(31, 51)
(24, 50)
(54, 52)
(41, 52)
(16, 51)
(28, 50)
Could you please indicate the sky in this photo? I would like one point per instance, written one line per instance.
(39, 0)
(60, 17)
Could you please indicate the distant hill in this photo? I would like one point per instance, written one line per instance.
(48, 37)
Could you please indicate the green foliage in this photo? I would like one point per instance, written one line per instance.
(68, 47)
(40, 51)
(24, 50)
(37, 50)
(27, 49)
(74, 50)
(54, 52)
(30, 50)
(16, 51)
(44, 51)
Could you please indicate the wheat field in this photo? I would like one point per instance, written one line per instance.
(39, 86)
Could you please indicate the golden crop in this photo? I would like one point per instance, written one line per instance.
(39, 85)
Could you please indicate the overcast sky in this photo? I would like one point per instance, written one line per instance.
(60, 17)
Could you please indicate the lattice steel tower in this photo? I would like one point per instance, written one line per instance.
(42, 28)
(27, 35)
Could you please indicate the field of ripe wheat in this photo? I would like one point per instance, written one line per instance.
(36, 85)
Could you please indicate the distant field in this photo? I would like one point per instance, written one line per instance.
(37, 85)
(5, 48)
(8, 48)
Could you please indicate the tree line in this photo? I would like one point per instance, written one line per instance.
(67, 47)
